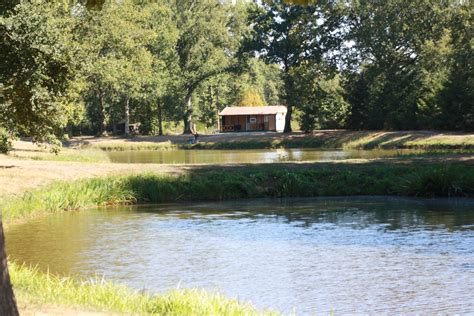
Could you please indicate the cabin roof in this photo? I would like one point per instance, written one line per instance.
(253, 110)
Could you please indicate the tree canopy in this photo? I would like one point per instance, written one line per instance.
(97, 66)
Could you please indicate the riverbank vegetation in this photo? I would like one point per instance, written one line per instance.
(36, 288)
(329, 139)
(250, 181)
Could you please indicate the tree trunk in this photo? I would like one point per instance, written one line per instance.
(160, 118)
(7, 298)
(188, 114)
(127, 116)
(288, 98)
(102, 115)
(217, 112)
(288, 119)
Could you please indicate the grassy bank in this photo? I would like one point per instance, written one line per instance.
(350, 140)
(37, 288)
(250, 181)
(66, 154)
(427, 140)
(125, 146)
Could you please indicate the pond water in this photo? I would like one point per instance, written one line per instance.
(374, 255)
(246, 155)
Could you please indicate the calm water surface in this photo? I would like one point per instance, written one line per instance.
(345, 255)
(247, 155)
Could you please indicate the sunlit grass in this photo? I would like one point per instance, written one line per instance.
(125, 146)
(418, 140)
(34, 286)
(66, 154)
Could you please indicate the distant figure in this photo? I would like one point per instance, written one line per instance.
(196, 135)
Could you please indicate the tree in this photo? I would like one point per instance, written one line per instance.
(38, 70)
(457, 97)
(320, 96)
(165, 61)
(288, 34)
(117, 62)
(36, 74)
(206, 47)
(7, 298)
(250, 97)
(387, 88)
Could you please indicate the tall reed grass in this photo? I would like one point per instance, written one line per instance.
(36, 287)
(252, 181)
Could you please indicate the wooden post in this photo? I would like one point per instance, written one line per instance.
(160, 117)
(127, 115)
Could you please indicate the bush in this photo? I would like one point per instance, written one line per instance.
(5, 141)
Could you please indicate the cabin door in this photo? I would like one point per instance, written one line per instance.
(266, 123)
(252, 123)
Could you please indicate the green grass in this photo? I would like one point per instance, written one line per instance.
(250, 181)
(434, 153)
(36, 287)
(406, 140)
(340, 139)
(125, 146)
(66, 154)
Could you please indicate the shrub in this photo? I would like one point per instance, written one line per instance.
(5, 141)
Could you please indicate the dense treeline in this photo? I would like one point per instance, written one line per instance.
(97, 66)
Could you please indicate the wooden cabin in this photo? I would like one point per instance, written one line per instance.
(253, 118)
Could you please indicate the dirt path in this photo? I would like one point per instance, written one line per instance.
(27, 309)
(19, 175)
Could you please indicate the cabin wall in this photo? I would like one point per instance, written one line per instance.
(280, 122)
(271, 123)
(250, 123)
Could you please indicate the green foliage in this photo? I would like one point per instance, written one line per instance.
(250, 97)
(205, 47)
(38, 69)
(404, 65)
(36, 287)
(5, 141)
(320, 97)
(291, 35)
(117, 62)
(86, 66)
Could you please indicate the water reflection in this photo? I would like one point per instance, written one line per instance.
(315, 255)
(246, 156)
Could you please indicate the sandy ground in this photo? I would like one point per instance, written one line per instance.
(27, 308)
(43, 310)
(19, 175)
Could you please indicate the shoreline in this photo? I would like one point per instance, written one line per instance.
(34, 188)
(218, 183)
(324, 139)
